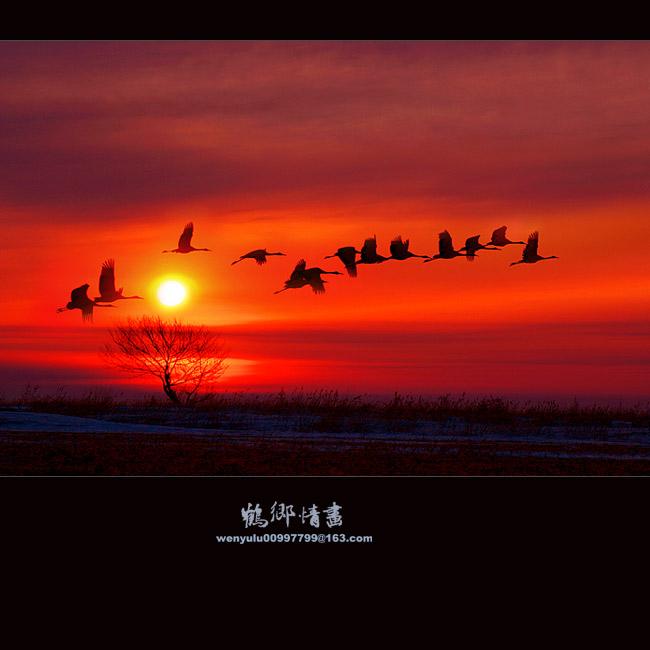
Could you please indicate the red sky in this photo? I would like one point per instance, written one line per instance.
(108, 149)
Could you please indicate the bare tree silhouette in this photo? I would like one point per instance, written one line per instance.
(185, 358)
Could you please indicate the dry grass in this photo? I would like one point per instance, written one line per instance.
(328, 410)
(93, 403)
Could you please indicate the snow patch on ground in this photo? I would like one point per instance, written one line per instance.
(255, 426)
(53, 423)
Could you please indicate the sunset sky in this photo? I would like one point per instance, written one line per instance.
(107, 149)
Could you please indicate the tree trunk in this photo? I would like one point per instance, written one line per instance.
(169, 391)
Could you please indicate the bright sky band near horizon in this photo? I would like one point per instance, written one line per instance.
(108, 149)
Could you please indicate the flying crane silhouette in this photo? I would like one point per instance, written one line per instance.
(258, 255)
(472, 245)
(184, 240)
(302, 276)
(107, 285)
(314, 280)
(530, 256)
(79, 300)
(499, 238)
(369, 253)
(297, 278)
(399, 250)
(446, 248)
(347, 255)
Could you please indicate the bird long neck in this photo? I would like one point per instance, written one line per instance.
(274, 253)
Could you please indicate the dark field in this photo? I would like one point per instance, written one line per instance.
(186, 454)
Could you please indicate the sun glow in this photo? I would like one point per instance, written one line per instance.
(171, 293)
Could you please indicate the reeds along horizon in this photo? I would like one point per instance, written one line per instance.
(324, 402)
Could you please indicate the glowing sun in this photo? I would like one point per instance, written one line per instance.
(171, 293)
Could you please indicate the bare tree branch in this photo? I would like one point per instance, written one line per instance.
(184, 358)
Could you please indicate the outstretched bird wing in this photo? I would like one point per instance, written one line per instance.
(297, 278)
(444, 243)
(299, 270)
(369, 249)
(79, 293)
(398, 248)
(186, 236)
(471, 244)
(107, 278)
(499, 236)
(530, 252)
(259, 256)
(347, 255)
(317, 284)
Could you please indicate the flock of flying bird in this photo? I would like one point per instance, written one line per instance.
(303, 276)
